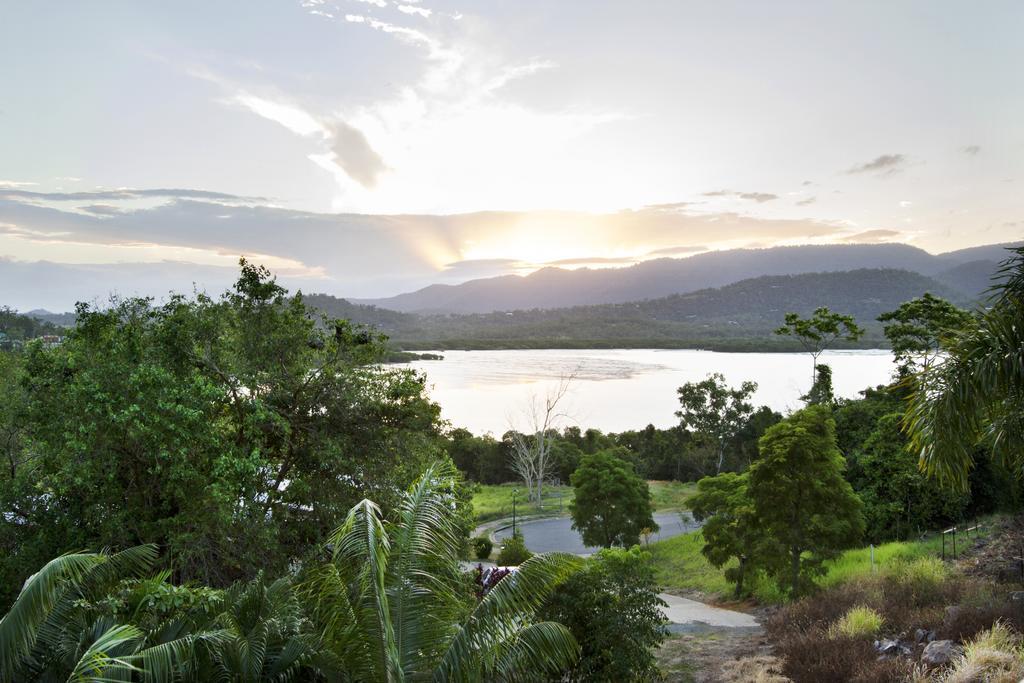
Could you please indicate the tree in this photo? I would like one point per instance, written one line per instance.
(233, 432)
(917, 328)
(898, 498)
(715, 411)
(389, 605)
(612, 505)
(974, 393)
(806, 509)
(613, 609)
(531, 452)
(819, 332)
(731, 527)
(821, 393)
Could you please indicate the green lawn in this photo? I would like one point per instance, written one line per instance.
(494, 501)
(671, 495)
(680, 566)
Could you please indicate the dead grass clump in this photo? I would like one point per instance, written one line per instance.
(807, 657)
(754, 669)
(994, 656)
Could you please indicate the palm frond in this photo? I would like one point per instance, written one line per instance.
(362, 542)
(106, 660)
(544, 648)
(19, 627)
(422, 571)
(507, 609)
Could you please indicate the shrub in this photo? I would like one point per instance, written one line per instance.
(858, 622)
(482, 547)
(513, 551)
(613, 610)
(995, 655)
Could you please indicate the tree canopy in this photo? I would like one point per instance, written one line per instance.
(612, 505)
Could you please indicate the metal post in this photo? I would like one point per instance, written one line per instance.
(872, 558)
(514, 492)
(954, 543)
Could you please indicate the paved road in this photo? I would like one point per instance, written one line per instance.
(557, 535)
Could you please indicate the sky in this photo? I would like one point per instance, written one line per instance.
(368, 147)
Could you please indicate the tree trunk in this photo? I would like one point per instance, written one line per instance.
(739, 579)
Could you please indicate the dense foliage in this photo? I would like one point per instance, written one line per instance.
(613, 610)
(612, 505)
(388, 603)
(231, 432)
(974, 393)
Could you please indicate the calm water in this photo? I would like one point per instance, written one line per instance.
(616, 390)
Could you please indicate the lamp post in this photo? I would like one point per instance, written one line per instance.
(515, 492)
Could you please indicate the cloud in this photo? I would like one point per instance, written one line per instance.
(355, 155)
(883, 166)
(759, 197)
(807, 202)
(101, 209)
(872, 236)
(592, 261)
(412, 9)
(971, 150)
(126, 193)
(675, 251)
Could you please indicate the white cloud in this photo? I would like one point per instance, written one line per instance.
(411, 9)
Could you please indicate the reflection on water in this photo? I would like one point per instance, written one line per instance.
(615, 390)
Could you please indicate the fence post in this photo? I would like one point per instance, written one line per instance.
(872, 558)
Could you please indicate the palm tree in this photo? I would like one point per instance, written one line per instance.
(392, 606)
(56, 629)
(975, 393)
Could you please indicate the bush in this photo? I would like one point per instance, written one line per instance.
(613, 610)
(482, 547)
(513, 551)
(859, 622)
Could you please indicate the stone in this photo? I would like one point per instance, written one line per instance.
(891, 648)
(939, 653)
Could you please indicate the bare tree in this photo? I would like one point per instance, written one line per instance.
(531, 447)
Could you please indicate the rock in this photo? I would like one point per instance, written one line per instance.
(939, 652)
(891, 648)
(923, 635)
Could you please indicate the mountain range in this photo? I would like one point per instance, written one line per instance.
(966, 270)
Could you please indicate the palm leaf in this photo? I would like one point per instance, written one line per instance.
(19, 627)
(103, 662)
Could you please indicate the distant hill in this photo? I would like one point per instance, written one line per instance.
(18, 327)
(740, 315)
(559, 288)
(58, 319)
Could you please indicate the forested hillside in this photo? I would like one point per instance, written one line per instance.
(560, 288)
(739, 316)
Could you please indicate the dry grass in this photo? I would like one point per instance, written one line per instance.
(995, 656)
(755, 669)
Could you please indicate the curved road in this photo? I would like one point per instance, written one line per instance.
(557, 535)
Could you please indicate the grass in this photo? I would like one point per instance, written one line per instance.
(680, 566)
(858, 622)
(494, 501)
(671, 495)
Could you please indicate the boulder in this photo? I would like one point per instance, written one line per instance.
(923, 635)
(939, 653)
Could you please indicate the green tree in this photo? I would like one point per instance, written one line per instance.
(898, 498)
(974, 393)
(613, 609)
(805, 507)
(390, 605)
(715, 411)
(819, 332)
(731, 528)
(917, 328)
(612, 505)
(233, 432)
(821, 393)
